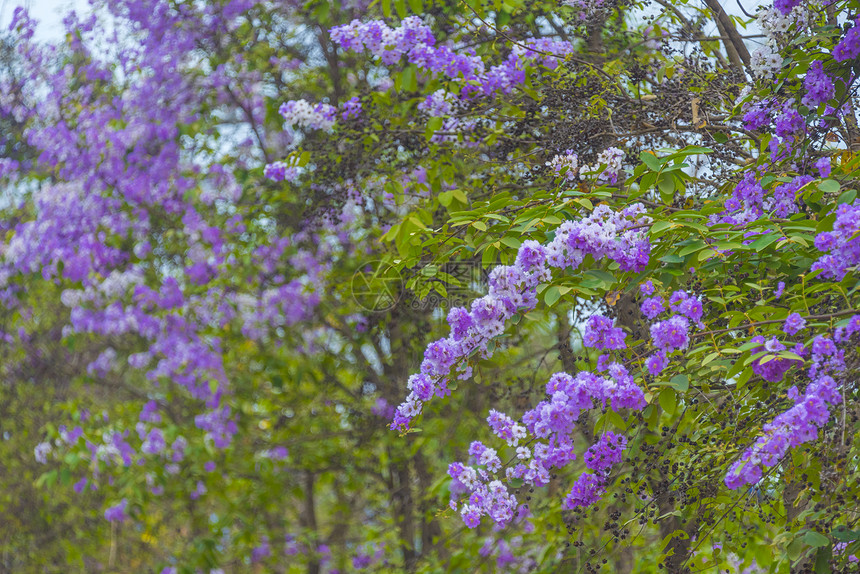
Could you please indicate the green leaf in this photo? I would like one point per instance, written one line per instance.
(847, 197)
(764, 241)
(666, 184)
(409, 79)
(604, 276)
(691, 150)
(829, 186)
(651, 160)
(512, 242)
(695, 246)
(551, 295)
(668, 401)
(815, 539)
(433, 126)
(842, 534)
(706, 254)
(794, 549)
(822, 560)
(680, 382)
(661, 226)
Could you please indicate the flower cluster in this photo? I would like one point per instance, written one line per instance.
(652, 307)
(280, 171)
(117, 513)
(606, 452)
(749, 200)
(842, 244)
(382, 41)
(565, 164)
(785, 6)
(770, 366)
(611, 158)
(118, 160)
(547, 430)
(757, 114)
(302, 114)
(801, 422)
(849, 47)
(440, 103)
(351, 108)
(819, 87)
(503, 549)
(765, 61)
(601, 334)
(672, 334)
(605, 234)
(414, 40)
(775, 22)
(793, 324)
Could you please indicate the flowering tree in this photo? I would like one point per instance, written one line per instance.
(437, 286)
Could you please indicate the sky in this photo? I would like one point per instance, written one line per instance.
(49, 13)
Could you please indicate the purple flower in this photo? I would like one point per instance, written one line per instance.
(819, 86)
(789, 123)
(757, 116)
(351, 108)
(149, 413)
(844, 334)
(80, 485)
(471, 516)
(841, 247)
(780, 288)
(587, 490)
(567, 162)
(604, 234)
(606, 452)
(280, 171)
(687, 305)
(154, 442)
(117, 513)
(770, 367)
(671, 334)
(849, 47)
(797, 425)
(785, 6)
(262, 551)
(793, 324)
(600, 334)
(656, 363)
(361, 560)
(652, 307)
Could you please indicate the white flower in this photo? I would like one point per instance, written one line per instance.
(41, 452)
